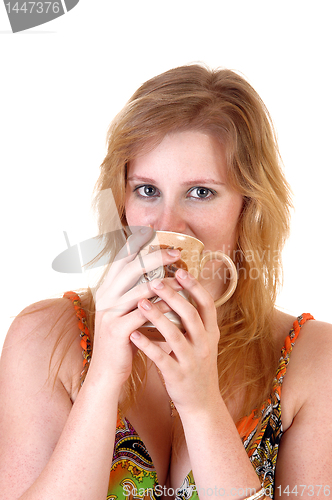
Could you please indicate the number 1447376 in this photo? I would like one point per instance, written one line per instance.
(30, 7)
(303, 489)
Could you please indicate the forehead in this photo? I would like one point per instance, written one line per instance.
(186, 152)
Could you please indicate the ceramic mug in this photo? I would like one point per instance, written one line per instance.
(192, 260)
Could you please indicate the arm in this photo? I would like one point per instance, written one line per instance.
(216, 453)
(50, 448)
(305, 455)
(217, 456)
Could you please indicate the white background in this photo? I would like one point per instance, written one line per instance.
(61, 84)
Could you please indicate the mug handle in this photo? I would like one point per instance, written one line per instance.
(231, 267)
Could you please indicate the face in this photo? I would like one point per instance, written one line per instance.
(182, 186)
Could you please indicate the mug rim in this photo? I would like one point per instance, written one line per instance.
(180, 234)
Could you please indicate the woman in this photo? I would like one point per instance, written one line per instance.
(199, 414)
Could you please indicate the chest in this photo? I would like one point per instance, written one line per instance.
(163, 434)
(151, 418)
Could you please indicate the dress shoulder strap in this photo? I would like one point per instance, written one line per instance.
(85, 333)
(248, 425)
(289, 344)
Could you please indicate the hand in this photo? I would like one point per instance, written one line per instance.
(117, 315)
(190, 370)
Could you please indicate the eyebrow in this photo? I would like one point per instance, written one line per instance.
(191, 182)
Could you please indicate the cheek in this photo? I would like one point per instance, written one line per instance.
(129, 211)
(221, 232)
(131, 215)
(135, 214)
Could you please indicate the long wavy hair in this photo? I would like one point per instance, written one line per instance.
(223, 104)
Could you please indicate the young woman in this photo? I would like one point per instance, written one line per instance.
(212, 412)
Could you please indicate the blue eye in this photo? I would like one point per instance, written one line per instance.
(201, 193)
(146, 191)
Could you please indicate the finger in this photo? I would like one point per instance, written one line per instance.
(129, 251)
(152, 351)
(129, 300)
(163, 307)
(144, 268)
(121, 325)
(135, 242)
(173, 336)
(196, 331)
(152, 264)
(122, 304)
(180, 305)
(173, 283)
(203, 299)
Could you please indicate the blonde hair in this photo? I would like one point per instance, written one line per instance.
(223, 104)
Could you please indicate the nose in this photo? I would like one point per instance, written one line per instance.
(170, 218)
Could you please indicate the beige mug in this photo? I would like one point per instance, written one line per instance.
(192, 260)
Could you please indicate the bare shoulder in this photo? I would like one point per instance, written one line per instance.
(34, 404)
(35, 330)
(38, 318)
(309, 371)
(306, 408)
(40, 336)
(313, 349)
(311, 332)
(312, 357)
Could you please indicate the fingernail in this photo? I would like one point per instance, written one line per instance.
(146, 304)
(135, 335)
(157, 284)
(173, 252)
(182, 274)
